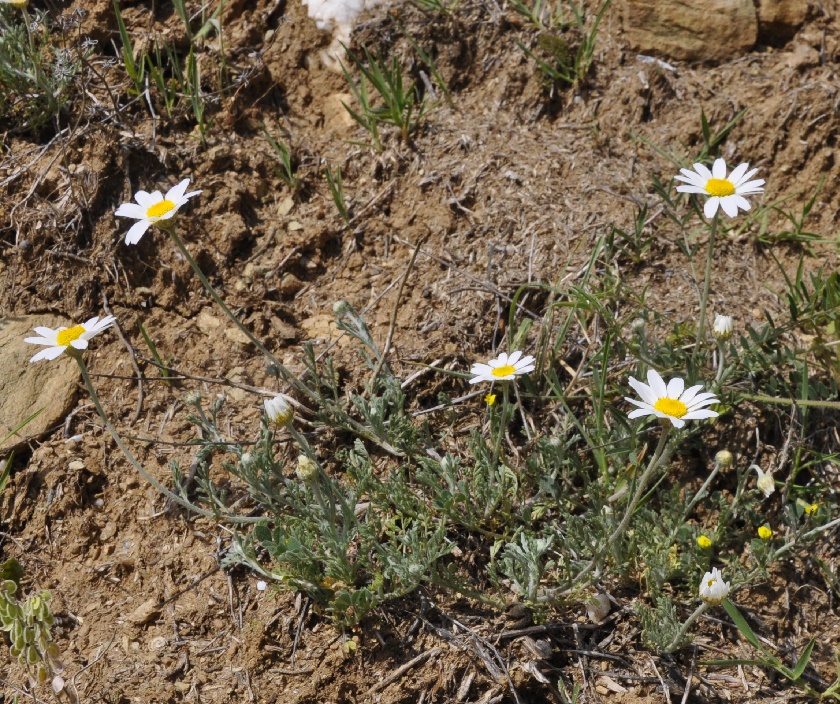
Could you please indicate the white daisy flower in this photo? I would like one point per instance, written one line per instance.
(279, 410)
(15, 3)
(57, 341)
(504, 368)
(151, 208)
(672, 401)
(728, 193)
(723, 327)
(713, 589)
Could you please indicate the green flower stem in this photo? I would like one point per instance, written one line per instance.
(501, 427)
(655, 461)
(701, 326)
(324, 478)
(77, 355)
(721, 362)
(285, 373)
(678, 639)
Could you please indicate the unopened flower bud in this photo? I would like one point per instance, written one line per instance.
(279, 410)
(724, 458)
(307, 470)
(598, 607)
(723, 326)
(192, 398)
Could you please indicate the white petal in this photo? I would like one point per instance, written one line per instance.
(48, 353)
(689, 394)
(638, 413)
(481, 369)
(514, 357)
(678, 423)
(191, 194)
(40, 340)
(657, 384)
(701, 414)
(46, 332)
(711, 206)
(130, 210)
(750, 187)
(719, 169)
(176, 193)
(675, 387)
(741, 202)
(744, 178)
(691, 189)
(729, 205)
(689, 176)
(640, 404)
(738, 173)
(645, 392)
(703, 171)
(79, 344)
(147, 199)
(136, 231)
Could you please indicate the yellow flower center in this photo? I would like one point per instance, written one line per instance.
(711, 582)
(720, 187)
(160, 209)
(65, 337)
(671, 407)
(505, 370)
(704, 542)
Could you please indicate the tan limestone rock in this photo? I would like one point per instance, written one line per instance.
(25, 387)
(691, 30)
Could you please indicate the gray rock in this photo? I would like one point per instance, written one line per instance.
(25, 387)
(691, 30)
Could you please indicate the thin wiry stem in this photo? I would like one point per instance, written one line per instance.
(77, 355)
(701, 326)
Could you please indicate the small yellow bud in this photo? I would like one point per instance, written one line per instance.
(765, 533)
(812, 509)
(704, 543)
(490, 399)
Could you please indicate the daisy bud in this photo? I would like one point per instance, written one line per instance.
(723, 327)
(713, 589)
(724, 458)
(598, 607)
(765, 482)
(279, 410)
(307, 470)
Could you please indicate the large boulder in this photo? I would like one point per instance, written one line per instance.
(692, 30)
(25, 387)
(779, 20)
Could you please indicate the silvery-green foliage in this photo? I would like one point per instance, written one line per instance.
(28, 625)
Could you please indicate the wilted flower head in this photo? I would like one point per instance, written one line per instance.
(306, 470)
(672, 401)
(504, 368)
(713, 589)
(728, 193)
(765, 482)
(279, 410)
(152, 208)
(723, 327)
(598, 607)
(57, 341)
